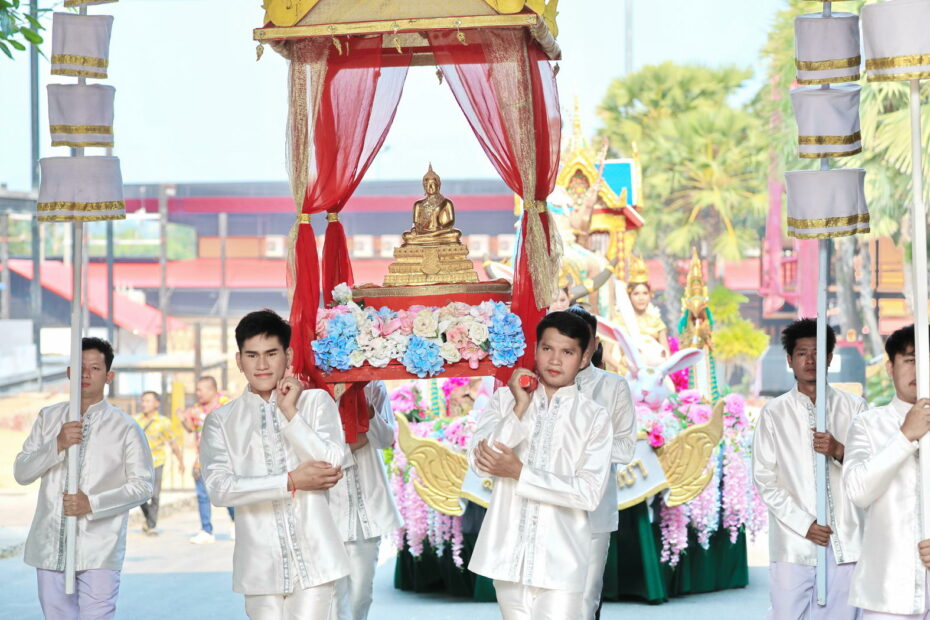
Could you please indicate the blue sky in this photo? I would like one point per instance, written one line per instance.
(193, 105)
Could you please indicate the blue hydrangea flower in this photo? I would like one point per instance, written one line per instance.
(422, 357)
(507, 341)
(343, 326)
(333, 352)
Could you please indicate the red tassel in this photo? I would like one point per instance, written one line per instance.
(337, 267)
(306, 300)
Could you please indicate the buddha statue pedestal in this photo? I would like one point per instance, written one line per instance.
(424, 264)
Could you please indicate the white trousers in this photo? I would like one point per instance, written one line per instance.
(314, 603)
(520, 602)
(793, 592)
(94, 595)
(353, 592)
(597, 559)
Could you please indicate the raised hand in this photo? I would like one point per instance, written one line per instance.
(522, 398)
(289, 389)
(917, 421)
(819, 534)
(76, 505)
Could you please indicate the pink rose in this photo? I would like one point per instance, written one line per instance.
(699, 414)
(473, 354)
(458, 336)
(391, 326)
(656, 438)
(406, 321)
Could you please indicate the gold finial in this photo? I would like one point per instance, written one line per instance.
(696, 296)
(639, 273)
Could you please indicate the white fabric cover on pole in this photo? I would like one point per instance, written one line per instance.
(83, 189)
(81, 115)
(828, 121)
(826, 203)
(826, 49)
(81, 44)
(897, 40)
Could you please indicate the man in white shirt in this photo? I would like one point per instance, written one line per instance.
(363, 506)
(116, 475)
(272, 453)
(882, 475)
(783, 469)
(548, 451)
(612, 392)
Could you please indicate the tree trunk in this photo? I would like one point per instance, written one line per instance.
(671, 297)
(867, 300)
(845, 280)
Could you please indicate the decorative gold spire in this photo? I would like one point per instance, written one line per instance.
(639, 273)
(696, 297)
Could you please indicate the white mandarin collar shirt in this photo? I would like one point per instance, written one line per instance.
(283, 542)
(116, 475)
(537, 530)
(882, 475)
(362, 503)
(612, 392)
(783, 471)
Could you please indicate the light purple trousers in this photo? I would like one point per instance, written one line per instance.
(793, 591)
(94, 595)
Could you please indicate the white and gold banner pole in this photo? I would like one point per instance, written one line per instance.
(919, 267)
(820, 460)
(74, 410)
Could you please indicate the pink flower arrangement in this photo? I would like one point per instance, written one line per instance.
(674, 528)
(656, 435)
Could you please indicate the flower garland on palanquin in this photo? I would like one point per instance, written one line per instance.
(423, 338)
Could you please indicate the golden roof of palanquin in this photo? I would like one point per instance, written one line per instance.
(284, 13)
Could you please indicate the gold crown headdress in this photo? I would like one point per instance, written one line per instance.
(696, 296)
(639, 273)
(430, 174)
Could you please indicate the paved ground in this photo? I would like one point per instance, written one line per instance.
(165, 577)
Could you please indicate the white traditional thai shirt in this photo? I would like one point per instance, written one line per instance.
(115, 473)
(612, 392)
(882, 475)
(783, 469)
(362, 503)
(284, 542)
(537, 529)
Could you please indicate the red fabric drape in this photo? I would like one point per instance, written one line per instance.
(361, 91)
(485, 99)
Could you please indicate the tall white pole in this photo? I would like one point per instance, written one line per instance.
(820, 460)
(74, 410)
(919, 266)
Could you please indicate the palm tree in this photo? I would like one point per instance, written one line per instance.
(703, 175)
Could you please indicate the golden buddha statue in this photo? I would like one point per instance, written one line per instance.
(433, 216)
(432, 251)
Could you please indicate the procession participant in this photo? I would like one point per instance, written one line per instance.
(612, 392)
(882, 475)
(363, 506)
(209, 399)
(272, 453)
(549, 452)
(158, 433)
(115, 477)
(783, 471)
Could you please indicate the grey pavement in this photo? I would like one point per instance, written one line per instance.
(166, 577)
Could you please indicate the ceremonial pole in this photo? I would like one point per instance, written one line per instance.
(919, 267)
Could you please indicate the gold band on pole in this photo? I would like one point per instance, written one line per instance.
(820, 140)
(825, 65)
(303, 218)
(332, 217)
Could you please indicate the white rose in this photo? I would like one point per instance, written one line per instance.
(425, 324)
(478, 333)
(379, 352)
(357, 357)
(449, 352)
(342, 294)
(398, 342)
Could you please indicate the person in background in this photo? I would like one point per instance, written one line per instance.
(159, 434)
(116, 476)
(208, 400)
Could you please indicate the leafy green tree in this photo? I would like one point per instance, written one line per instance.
(737, 342)
(702, 163)
(18, 28)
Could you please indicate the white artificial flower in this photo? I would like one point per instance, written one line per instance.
(357, 357)
(342, 294)
(425, 324)
(450, 352)
(478, 333)
(379, 352)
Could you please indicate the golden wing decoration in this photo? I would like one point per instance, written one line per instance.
(684, 459)
(441, 469)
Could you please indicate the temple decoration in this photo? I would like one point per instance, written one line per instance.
(696, 330)
(432, 250)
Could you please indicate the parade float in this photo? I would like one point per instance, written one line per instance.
(686, 499)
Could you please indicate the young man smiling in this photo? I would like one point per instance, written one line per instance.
(272, 453)
(783, 470)
(549, 453)
(116, 476)
(882, 475)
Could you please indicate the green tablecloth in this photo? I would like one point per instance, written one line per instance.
(633, 567)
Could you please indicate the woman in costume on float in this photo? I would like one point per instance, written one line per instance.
(640, 317)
